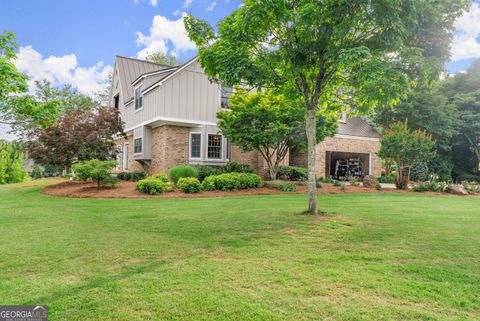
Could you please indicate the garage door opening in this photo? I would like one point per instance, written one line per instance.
(345, 166)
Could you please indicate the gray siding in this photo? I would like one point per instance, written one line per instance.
(187, 97)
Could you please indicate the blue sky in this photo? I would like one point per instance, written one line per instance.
(76, 41)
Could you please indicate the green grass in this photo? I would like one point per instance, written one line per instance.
(379, 257)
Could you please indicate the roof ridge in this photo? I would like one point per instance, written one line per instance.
(143, 60)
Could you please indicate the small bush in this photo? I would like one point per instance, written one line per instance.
(37, 172)
(337, 183)
(402, 183)
(161, 176)
(369, 181)
(231, 181)
(124, 176)
(94, 169)
(234, 167)
(154, 186)
(469, 178)
(189, 185)
(137, 175)
(319, 183)
(326, 180)
(292, 173)
(386, 179)
(180, 171)
(430, 186)
(204, 171)
(378, 187)
(355, 181)
(287, 187)
(473, 187)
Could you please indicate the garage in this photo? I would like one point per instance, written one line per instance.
(345, 166)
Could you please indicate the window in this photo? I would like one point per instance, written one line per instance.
(138, 97)
(137, 145)
(195, 145)
(214, 149)
(116, 101)
(224, 96)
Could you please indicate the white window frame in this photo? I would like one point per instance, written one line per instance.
(190, 145)
(141, 145)
(220, 96)
(222, 155)
(135, 98)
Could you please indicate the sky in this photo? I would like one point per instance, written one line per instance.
(76, 42)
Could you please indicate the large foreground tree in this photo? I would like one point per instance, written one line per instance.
(361, 52)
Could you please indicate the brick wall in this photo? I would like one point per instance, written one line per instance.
(336, 144)
(169, 148)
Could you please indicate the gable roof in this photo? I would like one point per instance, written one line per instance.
(357, 126)
(130, 69)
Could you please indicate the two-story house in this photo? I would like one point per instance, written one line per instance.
(170, 119)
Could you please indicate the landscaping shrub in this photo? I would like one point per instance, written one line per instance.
(287, 187)
(430, 186)
(319, 183)
(37, 172)
(189, 185)
(402, 183)
(292, 173)
(469, 178)
(326, 180)
(231, 181)
(390, 179)
(94, 169)
(234, 167)
(370, 181)
(473, 187)
(154, 186)
(180, 171)
(355, 181)
(161, 176)
(137, 175)
(337, 183)
(205, 171)
(124, 176)
(378, 187)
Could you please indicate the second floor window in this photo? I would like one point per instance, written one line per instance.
(137, 145)
(138, 98)
(224, 96)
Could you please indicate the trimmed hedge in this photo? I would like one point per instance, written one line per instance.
(205, 171)
(292, 173)
(234, 167)
(189, 185)
(180, 171)
(231, 182)
(154, 186)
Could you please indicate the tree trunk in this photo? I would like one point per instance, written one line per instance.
(311, 131)
(272, 172)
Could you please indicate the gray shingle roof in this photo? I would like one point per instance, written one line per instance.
(357, 126)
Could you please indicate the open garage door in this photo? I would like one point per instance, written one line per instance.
(346, 165)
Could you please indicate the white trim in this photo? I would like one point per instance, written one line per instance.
(125, 157)
(151, 74)
(222, 156)
(160, 83)
(374, 139)
(190, 146)
(171, 119)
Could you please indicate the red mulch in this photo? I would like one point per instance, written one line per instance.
(77, 189)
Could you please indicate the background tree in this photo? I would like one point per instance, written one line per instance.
(79, 135)
(161, 58)
(11, 163)
(366, 51)
(406, 148)
(16, 105)
(271, 123)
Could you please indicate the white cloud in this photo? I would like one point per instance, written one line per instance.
(187, 3)
(465, 44)
(62, 70)
(153, 3)
(166, 36)
(211, 6)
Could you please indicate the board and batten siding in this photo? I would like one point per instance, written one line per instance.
(188, 95)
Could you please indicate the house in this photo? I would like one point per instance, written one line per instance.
(170, 118)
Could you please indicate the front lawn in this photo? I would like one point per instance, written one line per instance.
(379, 257)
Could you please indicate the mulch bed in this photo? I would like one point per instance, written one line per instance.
(75, 189)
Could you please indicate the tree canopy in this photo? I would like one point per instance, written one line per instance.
(333, 53)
